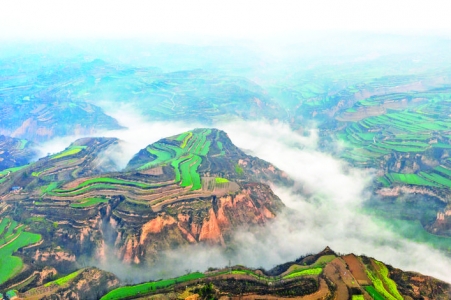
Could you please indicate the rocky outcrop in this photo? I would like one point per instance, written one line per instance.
(212, 223)
(91, 283)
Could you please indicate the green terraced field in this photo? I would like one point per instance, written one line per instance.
(89, 202)
(374, 293)
(313, 271)
(144, 288)
(184, 138)
(152, 287)
(319, 263)
(12, 170)
(221, 148)
(195, 177)
(239, 170)
(23, 143)
(175, 164)
(184, 158)
(68, 152)
(388, 282)
(105, 181)
(161, 157)
(10, 241)
(221, 180)
(443, 170)
(413, 179)
(383, 284)
(189, 174)
(49, 188)
(63, 280)
(437, 178)
(97, 186)
(407, 130)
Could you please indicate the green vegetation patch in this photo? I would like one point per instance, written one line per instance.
(195, 175)
(441, 145)
(22, 144)
(161, 157)
(374, 293)
(37, 174)
(358, 297)
(384, 285)
(221, 148)
(385, 182)
(323, 260)
(412, 179)
(49, 188)
(146, 288)
(313, 271)
(63, 280)
(105, 181)
(239, 170)
(388, 282)
(11, 241)
(12, 170)
(185, 139)
(410, 130)
(221, 180)
(437, 178)
(72, 150)
(185, 158)
(190, 176)
(89, 202)
(443, 170)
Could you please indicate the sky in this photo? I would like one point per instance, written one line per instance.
(56, 19)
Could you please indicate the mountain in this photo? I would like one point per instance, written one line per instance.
(325, 275)
(15, 152)
(60, 98)
(42, 118)
(82, 158)
(196, 187)
(213, 152)
(87, 283)
(192, 95)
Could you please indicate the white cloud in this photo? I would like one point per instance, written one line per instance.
(233, 18)
(328, 215)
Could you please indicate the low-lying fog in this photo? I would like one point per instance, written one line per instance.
(330, 216)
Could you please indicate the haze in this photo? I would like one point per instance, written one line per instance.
(178, 20)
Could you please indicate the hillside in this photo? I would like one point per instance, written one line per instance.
(15, 152)
(325, 275)
(196, 187)
(41, 117)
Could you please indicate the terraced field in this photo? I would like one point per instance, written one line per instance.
(13, 237)
(379, 286)
(88, 202)
(101, 183)
(72, 150)
(148, 288)
(159, 286)
(408, 128)
(7, 172)
(384, 286)
(64, 280)
(184, 153)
